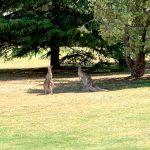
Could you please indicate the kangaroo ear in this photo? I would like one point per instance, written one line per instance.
(79, 68)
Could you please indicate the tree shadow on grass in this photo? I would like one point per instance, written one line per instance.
(111, 84)
(64, 86)
(34, 73)
(36, 91)
(124, 83)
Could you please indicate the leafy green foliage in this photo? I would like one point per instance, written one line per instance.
(101, 66)
(117, 52)
(27, 27)
(128, 21)
(78, 57)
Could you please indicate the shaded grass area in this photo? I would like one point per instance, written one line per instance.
(110, 81)
(113, 81)
(125, 83)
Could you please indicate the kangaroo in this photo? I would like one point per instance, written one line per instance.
(48, 83)
(87, 81)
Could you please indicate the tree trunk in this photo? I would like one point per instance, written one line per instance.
(137, 67)
(55, 58)
(54, 42)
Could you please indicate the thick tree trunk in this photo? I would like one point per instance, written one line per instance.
(55, 58)
(54, 43)
(137, 67)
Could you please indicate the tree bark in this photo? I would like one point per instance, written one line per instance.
(55, 58)
(137, 67)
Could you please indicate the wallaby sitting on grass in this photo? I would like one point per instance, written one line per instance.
(87, 81)
(48, 83)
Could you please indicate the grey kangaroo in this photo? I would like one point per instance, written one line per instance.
(87, 82)
(48, 83)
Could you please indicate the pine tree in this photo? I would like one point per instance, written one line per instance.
(27, 27)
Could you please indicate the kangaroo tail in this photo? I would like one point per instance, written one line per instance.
(101, 89)
(93, 89)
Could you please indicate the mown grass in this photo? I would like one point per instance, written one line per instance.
(71, 119)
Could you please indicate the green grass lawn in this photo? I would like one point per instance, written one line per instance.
(71, 119)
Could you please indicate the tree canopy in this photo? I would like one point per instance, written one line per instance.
(28, 26)
(110, 27)
(130, 22)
